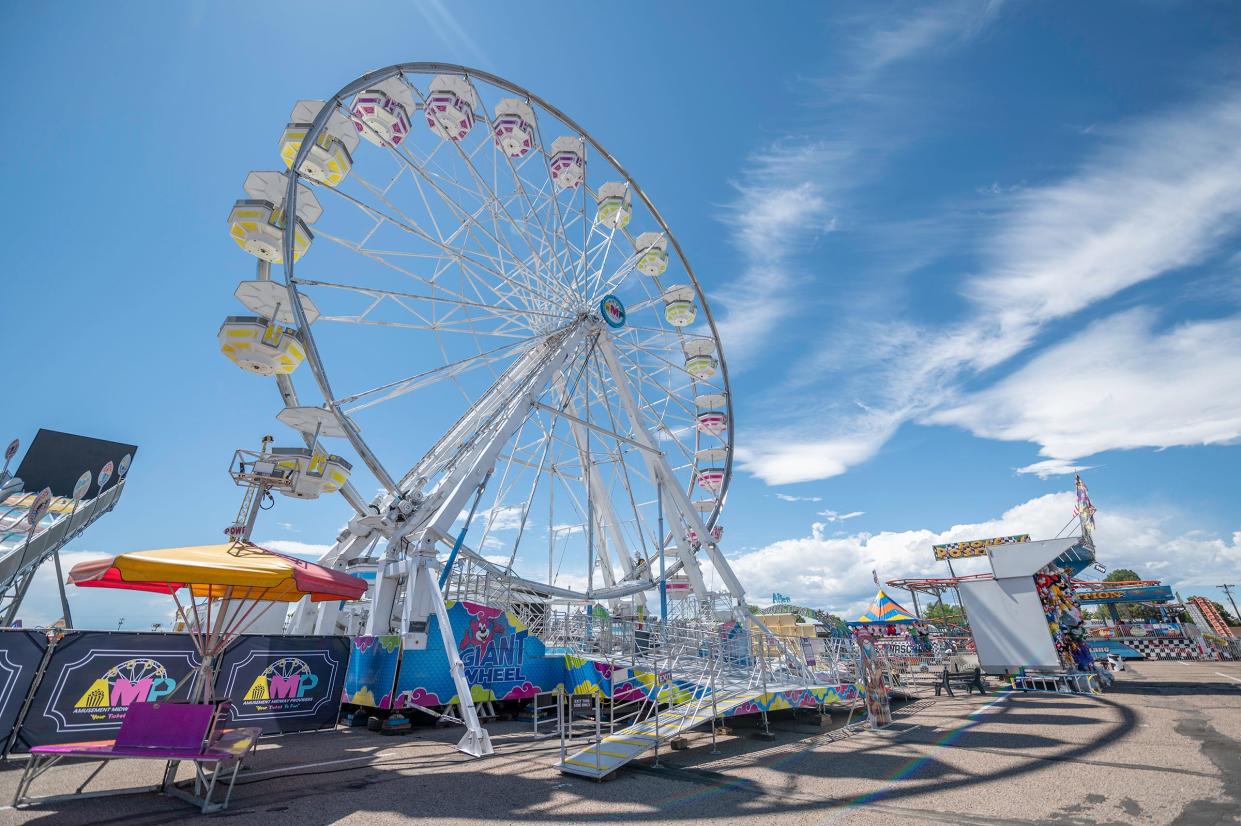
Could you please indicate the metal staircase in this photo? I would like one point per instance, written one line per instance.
(695, 676)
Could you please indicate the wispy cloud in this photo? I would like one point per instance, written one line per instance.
(833, 516)
(935, 28)
(784, 497)
(1053, 467)
(778, 209)
(1118, 384)
(1160, 195)
(442, 22)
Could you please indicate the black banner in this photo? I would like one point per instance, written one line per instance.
(92, 678)
(55, 460)
(20, 655)
(284, 683)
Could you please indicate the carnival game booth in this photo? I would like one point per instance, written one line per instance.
(1162, 639)
(893, 631)
(1024, 619)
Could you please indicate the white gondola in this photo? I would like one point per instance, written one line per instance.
(259, 345)
(700, 360)
(679, 307)
(712, 417)
(314, 473)
(513, 127)
(315, 422)
(716, 533)
(615, 204)
(257, 223)
(382, 114)
(331, 158)
(652, 253)
(710, 470)
(270, 299)
(450, 107)
(567, 163)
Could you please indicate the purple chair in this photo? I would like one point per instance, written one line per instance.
(172, 732)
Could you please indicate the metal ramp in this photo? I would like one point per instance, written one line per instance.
(612, 752)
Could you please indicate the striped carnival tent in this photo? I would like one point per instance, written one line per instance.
(884, 610)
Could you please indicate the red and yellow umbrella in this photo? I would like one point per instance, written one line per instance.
(238, 570)
(236, 584)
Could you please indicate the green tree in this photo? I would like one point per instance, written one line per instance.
(1128, 612)
(944, 613)
(1224, 613)
(831, 622)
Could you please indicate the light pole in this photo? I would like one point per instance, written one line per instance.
(1228, 591)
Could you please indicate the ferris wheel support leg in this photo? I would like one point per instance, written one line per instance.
(383, 594)
(320, 618)
(452, 493)
(426, 597)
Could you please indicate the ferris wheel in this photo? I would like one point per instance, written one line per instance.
(498, 326)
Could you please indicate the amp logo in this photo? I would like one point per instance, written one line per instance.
(139, 680)
(289, 678)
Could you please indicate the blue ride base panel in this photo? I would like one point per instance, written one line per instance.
(503, 661)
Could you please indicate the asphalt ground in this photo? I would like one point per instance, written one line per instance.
(1163, 746)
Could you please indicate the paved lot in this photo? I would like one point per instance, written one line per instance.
(1164, 746)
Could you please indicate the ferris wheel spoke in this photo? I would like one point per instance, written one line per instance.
(671, 366)
(661, 392)
(464, 215)
(427, 378)
(502, 206)
(503, 312)
(406, 223)
(458, 256)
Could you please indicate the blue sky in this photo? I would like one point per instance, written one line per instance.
(956, 250)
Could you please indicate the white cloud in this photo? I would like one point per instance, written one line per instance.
(784, 497)
(1117, 385)
(1053, 467)
(92, 608)
(835, 572)
(779, 205)
(1160, 195)
(783, 456)
(309, 551)
(932, 28)
(501, 518)
(833, 516)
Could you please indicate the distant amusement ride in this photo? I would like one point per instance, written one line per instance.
(499, 325)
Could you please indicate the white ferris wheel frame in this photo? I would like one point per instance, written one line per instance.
(433, 527)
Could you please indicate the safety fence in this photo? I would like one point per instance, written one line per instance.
(70, 686)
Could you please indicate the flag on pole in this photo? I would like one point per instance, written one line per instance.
(1085, 509)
